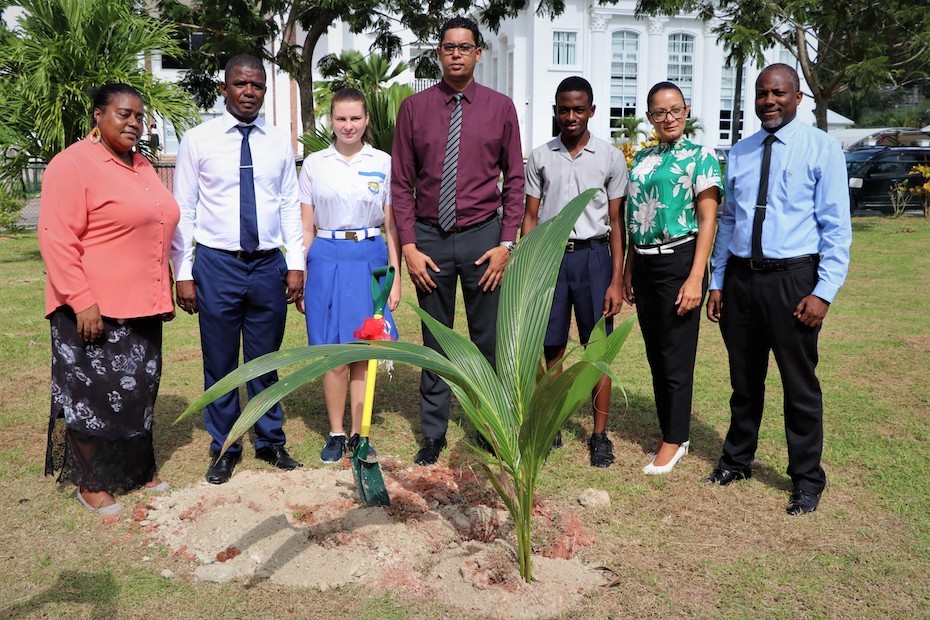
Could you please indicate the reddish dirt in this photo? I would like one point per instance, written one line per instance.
(445, 536)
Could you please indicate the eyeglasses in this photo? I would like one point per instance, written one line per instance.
(465, 48)
(659, 116)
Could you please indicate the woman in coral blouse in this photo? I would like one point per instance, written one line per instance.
(105, 228)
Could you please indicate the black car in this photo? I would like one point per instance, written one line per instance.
(873, 171)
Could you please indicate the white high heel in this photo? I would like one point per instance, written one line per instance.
(653, 470)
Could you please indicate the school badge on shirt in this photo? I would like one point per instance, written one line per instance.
(374, 186)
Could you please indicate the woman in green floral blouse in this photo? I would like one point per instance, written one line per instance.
(671, 214)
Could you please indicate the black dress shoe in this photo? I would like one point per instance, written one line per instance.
(221, 470)
(484, 444)
(802, 502)
(429, 450)
(277, 456)
(723, 476)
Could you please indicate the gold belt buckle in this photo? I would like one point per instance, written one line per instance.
(353, 235)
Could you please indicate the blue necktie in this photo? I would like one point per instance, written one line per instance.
(248, 219)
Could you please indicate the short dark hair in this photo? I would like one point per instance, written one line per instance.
(243, 60)
(663, 86)
(461, 22)
(788, 70)
(575, 83)
(351, 95)
(101, 97)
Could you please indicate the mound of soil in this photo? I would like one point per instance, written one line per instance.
(444, 535)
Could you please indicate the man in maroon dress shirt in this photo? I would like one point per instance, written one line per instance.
(472, 132)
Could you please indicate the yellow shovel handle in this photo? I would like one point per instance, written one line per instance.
(369, 394)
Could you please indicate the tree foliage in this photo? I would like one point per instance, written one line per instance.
(839, 45)
(56, 55)
(286, 32)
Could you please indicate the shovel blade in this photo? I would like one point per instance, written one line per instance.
(368, 478)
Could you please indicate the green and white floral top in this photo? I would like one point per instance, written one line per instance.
(664, 179)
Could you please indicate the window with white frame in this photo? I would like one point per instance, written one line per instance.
(564, 48)
(786, 57)
(681, 63)
(727, 98)
(624, 67)
(510, 73)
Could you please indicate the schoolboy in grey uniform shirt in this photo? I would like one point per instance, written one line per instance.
(591, 274)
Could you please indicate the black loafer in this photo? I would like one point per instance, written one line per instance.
(278, 457)
(429, 450)
(724, 476)
(221, 470)
(802, 502)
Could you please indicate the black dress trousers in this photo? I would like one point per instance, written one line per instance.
(455, 253)
(756, 318)
(671, 340)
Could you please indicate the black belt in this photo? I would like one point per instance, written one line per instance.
(775, 264)
(582, 244)
(456, 229)
(247, 257)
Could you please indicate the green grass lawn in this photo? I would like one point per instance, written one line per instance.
(677, 547)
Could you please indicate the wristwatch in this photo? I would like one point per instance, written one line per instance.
(510, 245)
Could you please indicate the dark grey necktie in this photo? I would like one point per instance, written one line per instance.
(762, 199)
(450, 165)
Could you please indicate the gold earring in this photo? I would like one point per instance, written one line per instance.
(94, 135)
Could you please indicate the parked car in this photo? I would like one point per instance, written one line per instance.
(873, 171)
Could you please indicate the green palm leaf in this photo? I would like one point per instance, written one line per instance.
(518, 408)
(526, 300)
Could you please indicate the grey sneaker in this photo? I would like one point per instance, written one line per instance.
(602, 450)
(334, 449)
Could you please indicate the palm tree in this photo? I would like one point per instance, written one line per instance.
(628, 127)
(518, 407)
(370, 74)
(59, 51)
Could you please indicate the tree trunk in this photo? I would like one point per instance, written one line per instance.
(305, 79)
(737, 103)
(820, 111)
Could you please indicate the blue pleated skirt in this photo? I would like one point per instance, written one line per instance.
(338, 290)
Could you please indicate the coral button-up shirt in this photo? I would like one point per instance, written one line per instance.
(105, 232)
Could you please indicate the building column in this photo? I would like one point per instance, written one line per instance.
(599, 72)
(712, 69)
(657, 55)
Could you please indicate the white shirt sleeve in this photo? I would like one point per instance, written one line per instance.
(186, 190)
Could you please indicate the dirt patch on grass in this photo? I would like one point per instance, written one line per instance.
(443, 537)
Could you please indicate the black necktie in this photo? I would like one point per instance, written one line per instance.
(762, 200)
(248, 218)
(450, 164)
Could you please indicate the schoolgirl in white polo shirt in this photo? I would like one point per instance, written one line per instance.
(345, 195)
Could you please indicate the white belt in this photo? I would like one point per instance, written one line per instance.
(666, 248)
(357, 234)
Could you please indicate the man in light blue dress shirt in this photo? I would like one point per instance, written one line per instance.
(780, 257)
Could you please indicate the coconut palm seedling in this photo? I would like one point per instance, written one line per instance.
(518, 408)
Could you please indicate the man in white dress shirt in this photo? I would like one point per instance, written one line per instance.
(236, 183)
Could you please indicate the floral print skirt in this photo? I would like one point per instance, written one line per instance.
(105, 392)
